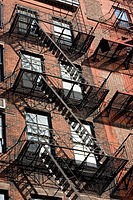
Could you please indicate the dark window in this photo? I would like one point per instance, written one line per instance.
(122, 17)
(2, 134)
(40, 197)
(1, 64)
(4, 195)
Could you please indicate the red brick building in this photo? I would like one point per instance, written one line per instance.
(66, 99)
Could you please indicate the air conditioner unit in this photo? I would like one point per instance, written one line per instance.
(2, 103)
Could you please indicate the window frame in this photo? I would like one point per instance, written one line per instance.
(25, 19)
(36, 56)
(5, 192)
(3, 132)
(90, 124)
(28, 77)
(120, 20)
(73, 97)
(63, 42)
(39, 112)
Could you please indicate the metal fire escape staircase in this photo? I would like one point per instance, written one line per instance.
(48, 90)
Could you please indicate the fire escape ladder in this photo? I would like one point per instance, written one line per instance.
(45, 39)
(23, 184)
(65, 184)
(66, 112)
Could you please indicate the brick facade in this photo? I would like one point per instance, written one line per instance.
(95, 13)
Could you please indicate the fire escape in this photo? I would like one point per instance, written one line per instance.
(114, 55)
(117, 56)
(27, 168)
(124, 186)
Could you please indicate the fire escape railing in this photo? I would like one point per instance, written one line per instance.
(109, 51)
(81, 38)
(124, 185)
(118, 112)
(108, 166)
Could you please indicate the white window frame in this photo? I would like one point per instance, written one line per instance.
(62, 32)
(68, 84)
(80, 150)
(24, 19)
(38, 129)
(34, 63)
(70, 2)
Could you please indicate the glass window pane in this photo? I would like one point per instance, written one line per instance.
(2, 197)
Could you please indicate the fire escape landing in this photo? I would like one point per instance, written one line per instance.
(82, 35)
(109, 52)
(119, 111)
(23, 160)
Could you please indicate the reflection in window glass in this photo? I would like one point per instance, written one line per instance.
(122, 17)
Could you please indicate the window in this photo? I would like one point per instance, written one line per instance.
(4, 195)
(70, 2)
(1, 64)
(34, 63)
(63, 32)
(38, 127)
(81, 151)
(27, 21)
(122, 17)
(68, 85)
(2, 133)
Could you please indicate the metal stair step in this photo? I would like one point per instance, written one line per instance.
(65, 186)
(85, 138)
(28, 191)
(75, 197)
(63, 180)
(49, 42)
(68, 115)
(78, 128)
(57, 53)
(82, 133)
(23, 187)
(51, 47)
(70, 193)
